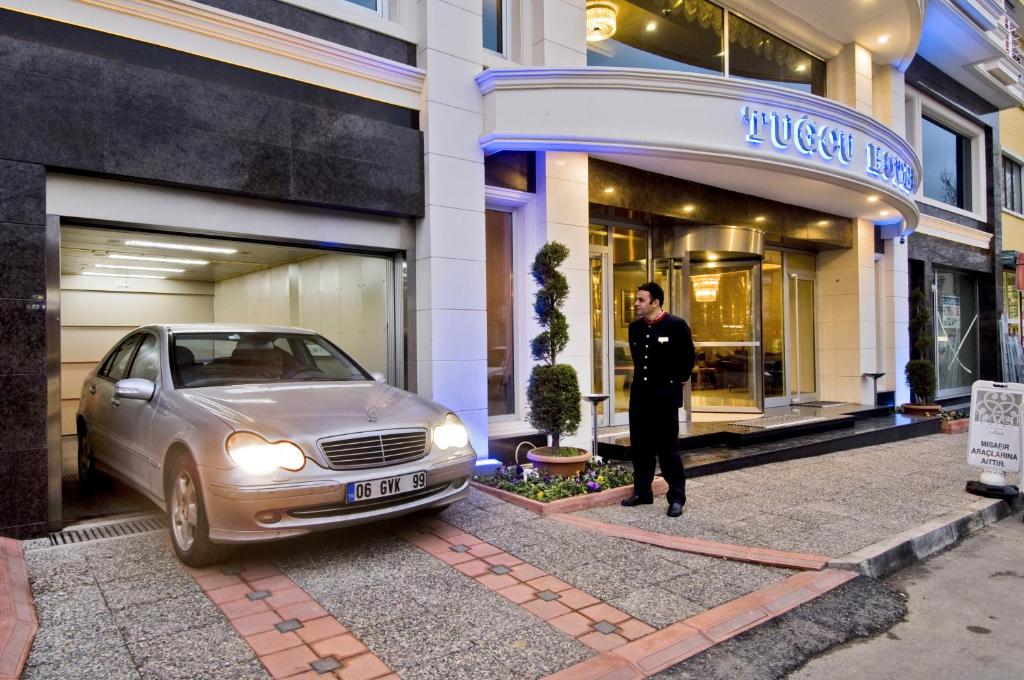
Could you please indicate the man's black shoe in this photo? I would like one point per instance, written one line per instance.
(674, 509)
(636, 500)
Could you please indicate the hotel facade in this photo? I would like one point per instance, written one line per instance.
(383, 171)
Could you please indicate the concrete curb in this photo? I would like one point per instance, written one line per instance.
(897, 552)
(18, 620)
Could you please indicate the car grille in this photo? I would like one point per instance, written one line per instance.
(361, 451)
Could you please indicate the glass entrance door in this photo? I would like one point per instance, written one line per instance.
(618, 265)
(787, 313)
(725, 303)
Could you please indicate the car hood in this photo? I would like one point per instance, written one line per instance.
(305, 412)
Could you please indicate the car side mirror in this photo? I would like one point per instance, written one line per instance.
(379, 377)
(134, 388)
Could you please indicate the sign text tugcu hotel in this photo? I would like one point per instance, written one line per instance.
(829, 142)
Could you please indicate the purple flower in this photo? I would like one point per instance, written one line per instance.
(593, 486)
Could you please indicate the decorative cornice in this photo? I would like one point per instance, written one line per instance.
(951, 231)
(595, 78)
(209, 32)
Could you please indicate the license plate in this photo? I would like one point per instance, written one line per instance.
(388, 486)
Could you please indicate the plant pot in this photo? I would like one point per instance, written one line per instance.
(956, 426)
(561, 466)
(921, 409)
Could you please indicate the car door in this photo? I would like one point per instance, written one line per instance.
(131, 419)
(101, 390)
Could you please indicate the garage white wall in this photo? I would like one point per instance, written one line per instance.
(96, 312)
(342, 296)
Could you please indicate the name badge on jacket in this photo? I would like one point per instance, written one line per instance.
(663, 338)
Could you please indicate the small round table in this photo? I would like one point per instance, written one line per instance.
(875, 377)
(594, 400)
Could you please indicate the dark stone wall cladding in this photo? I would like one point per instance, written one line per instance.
(75, 99)
(23, 465)
(320, 26)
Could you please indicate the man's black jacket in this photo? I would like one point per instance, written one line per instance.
(663, 356)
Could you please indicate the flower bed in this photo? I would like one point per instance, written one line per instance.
(600, 484)
(955, 422)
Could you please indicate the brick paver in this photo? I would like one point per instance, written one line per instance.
(313, 635)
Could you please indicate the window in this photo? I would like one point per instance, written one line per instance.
(147, 361)
(368, 4)
(500, 313)
(946, 159)
(956, 332)
(756, 54)
(493, 19)
(689, 36)
(118, 362)
(1011, 185)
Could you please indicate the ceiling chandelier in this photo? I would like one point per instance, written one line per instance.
(600, 21)
(705, 287)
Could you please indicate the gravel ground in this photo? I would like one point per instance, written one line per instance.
(829, 505)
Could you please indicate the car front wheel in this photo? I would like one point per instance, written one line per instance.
(190, 532)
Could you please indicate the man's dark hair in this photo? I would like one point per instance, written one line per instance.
(655, 290)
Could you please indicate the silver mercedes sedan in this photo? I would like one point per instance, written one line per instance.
(252, 433)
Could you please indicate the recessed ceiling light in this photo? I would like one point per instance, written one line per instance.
(882, 39)
(822, 223)
(651, 26)
(123, 276)
(689, 208)
(800, 68)
(712, 257)
(178, 246)
(138, 268)
(884, 213)
(609, 190)
(872, 199)
(148, 258)
(760, 218)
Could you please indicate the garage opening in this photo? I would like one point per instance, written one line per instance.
(114, 280)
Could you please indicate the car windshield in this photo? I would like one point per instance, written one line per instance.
(251, 357)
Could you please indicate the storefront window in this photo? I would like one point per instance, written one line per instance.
(683, 35)
(500, 330)
(492, 11)
(956, 332)
(946, 159)
(689, 36)
(1011, 302)
(368, 4)
(755, 54)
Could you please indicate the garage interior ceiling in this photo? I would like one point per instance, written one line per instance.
(92, 249)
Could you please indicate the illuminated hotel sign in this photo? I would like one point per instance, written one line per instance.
(831, 143)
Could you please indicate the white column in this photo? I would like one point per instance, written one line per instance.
(850, 78)
(846, 319)
(450, 303)
(889, 98)
(563, 215)
(559, 33)
(896, 269)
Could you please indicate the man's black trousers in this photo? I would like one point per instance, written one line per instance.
(654, 435)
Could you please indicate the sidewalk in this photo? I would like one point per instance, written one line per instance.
(488, 590)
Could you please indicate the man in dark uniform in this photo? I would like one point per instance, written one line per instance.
(663, 356)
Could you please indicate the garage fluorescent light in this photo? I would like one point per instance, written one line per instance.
(148, 258)
(135, 267)
(176, 246)
(123, 276)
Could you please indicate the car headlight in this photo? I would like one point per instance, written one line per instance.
(257, 456)
(452, 434)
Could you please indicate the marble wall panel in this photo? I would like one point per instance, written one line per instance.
(94, 103)
(311, 23)
(22, 413)
(22, 261)
(22, 193)
(23, 501)
(22, 337)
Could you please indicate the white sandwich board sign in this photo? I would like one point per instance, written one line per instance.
(994, 442)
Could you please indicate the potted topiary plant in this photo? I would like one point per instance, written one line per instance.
(553, 391)
(920, 372)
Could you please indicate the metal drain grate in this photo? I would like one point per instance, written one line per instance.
(95, 533)
(772, 422)
(819, 404)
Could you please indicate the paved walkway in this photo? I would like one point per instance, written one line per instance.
(488, 590)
